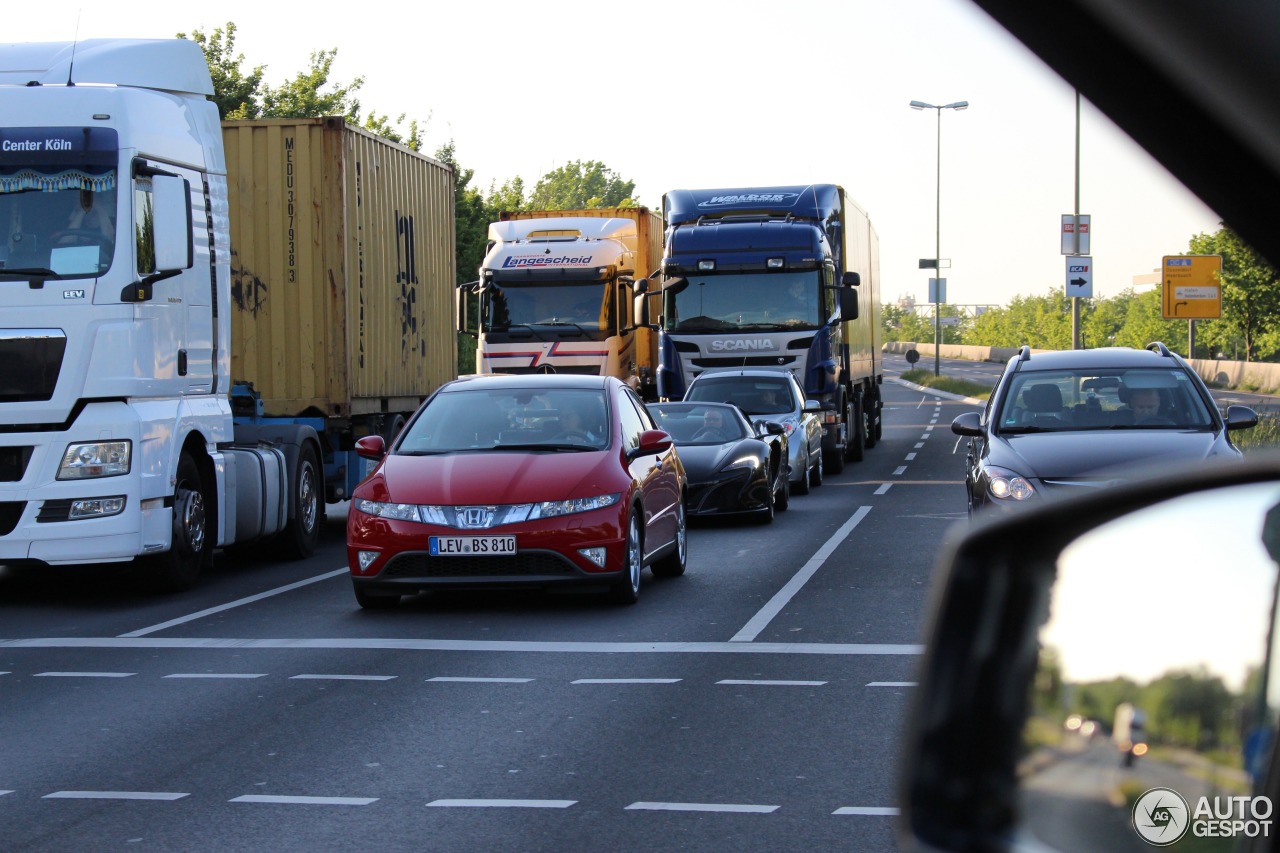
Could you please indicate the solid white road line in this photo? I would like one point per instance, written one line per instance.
(182, 620)
(704, 807)
(85, 674)
(114, 795)
(892, 684)
(502, 804)
(885, 811)
(365, 644)
(216, 675)
(305, 801)
(343, 677)
(766, 614)
(463, 680)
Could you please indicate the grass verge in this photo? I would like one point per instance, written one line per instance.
(919, 376)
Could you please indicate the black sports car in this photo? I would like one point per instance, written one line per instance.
(733, 466)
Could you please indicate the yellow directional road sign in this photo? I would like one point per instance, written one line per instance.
(1192, 287)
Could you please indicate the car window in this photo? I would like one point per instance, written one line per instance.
(686, 423)
(473, 419)
(633, 424)
(755, 395)
(1085, 399)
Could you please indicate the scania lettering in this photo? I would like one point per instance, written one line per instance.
(784, 277)
(555, 292)
(177, 372)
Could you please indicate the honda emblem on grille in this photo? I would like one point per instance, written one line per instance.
(476, 517)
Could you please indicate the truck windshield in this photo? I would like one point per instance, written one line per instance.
(748, 301)
(587, 306)
(58, 220)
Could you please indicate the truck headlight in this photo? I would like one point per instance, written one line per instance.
(95, 459)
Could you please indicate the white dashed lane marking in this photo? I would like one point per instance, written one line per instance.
(703, 807)
(304, 801)
(501, 804)
(114, 795)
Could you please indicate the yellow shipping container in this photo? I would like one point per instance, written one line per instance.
(342, 269)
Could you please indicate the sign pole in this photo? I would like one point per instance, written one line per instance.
(1075, 303)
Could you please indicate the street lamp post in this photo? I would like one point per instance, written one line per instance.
(937, 257)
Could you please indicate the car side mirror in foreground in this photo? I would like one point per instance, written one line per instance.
(772, 428)
(969, 423)
(371, 447)
(653, 441)
(1099, 672)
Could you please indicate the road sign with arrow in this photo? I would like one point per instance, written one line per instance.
(1080, 276)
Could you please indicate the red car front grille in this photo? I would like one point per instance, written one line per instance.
(536, 564)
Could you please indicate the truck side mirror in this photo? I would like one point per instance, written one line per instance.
(171, 197)
(640, 310)
(851, 279)
(640, 286)
(848, 301)
(463, 293)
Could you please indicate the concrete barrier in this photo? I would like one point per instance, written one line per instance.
(1262, 377)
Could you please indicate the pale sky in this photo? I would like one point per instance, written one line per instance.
(735, 93)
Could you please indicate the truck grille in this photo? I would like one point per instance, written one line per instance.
(577, 369)
(32, 359)
(747, 361)
(13, 463)
(10, 512)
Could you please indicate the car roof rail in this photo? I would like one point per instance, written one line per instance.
(1157, 346)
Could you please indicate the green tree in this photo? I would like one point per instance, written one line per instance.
(1041, 322)
(1250, 295)
(581, 185)
(472, 216)
(236, 92)
(301, 96)
(244, 95)
(509, 197)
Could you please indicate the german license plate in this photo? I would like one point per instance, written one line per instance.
(471, 546)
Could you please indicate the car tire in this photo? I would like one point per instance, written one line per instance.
(765, 516)
(375, 601)
(673, 564)
(802, 485)
(190, 549)
(782, 498)
(627, 590)
(816, 473)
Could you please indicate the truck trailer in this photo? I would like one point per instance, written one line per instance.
(199, 318)
(784, 277)
(555, 294)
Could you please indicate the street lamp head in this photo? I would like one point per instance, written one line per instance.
(958, 105)
(921, 105)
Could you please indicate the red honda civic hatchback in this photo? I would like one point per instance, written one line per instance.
(518, 481)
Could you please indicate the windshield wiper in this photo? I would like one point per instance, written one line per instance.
(41, 272)
(581, 330)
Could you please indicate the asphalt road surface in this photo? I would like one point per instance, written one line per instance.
(754, 704)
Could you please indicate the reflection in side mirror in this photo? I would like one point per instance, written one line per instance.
(1085, 654)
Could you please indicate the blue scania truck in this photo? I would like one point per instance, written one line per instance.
(782, 277)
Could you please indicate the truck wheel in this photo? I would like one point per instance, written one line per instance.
(302, 533)
(177, 569)
(857, 431)
(394, 424)
(874, 420)
(835, 457)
